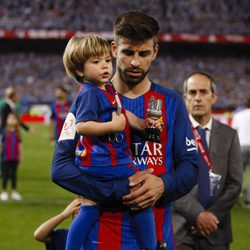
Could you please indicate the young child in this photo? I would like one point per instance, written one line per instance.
(53, 237)
(103, 150)
(11, 148)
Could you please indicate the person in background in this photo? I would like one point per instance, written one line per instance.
(10, 106)
(173, 156)
(241, 121)
(201, 219)
(55, 239)
(11, 154)
(59, 111)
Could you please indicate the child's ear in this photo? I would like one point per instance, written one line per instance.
(80, 73)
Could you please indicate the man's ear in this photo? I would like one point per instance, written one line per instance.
(114, 48)
(184, 97)
(156, 49)
(215, 97)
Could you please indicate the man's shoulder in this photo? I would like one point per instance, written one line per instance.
(222, 126)
(166, 91)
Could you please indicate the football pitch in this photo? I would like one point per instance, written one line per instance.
(43, 199)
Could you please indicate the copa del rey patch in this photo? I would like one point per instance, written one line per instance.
(69, 128)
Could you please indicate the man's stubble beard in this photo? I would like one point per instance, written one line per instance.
(131, 81)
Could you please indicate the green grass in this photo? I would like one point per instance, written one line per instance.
(43, 199)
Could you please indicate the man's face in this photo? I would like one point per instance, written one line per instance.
(199, 97)
(60, 95)
(134, 59)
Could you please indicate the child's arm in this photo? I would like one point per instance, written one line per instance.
(140, 124)
(92, 128)
(42, 233)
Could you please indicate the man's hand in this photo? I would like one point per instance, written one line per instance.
(146, 189)
(206, 224)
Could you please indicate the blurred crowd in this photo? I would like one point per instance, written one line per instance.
(36, 75)
(184, 16)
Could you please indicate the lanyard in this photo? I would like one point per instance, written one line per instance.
(201, 148)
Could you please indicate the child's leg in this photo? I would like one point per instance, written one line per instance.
(145, 224)
(5, 175)
(13, 169)
(81, 226)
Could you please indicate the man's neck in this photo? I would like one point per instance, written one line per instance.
(202, 120)
(131, 91)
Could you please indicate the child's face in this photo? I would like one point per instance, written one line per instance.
(98, 70)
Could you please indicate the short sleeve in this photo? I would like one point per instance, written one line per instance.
(87, 106)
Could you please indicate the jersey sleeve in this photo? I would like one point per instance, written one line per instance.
(185, 173)
(87, 106)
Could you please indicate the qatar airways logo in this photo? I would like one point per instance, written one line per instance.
(147, 153)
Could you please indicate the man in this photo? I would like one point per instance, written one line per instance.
(241, 121)
(202, 218)
(59, 111)
(10, 106)
(173, 159)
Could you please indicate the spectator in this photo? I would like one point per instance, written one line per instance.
(55, 239)
(59, 111)
(11, 154)
(202, 219)
(11, 100)
(241, 121)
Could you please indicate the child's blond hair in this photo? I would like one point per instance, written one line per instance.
(79, 49)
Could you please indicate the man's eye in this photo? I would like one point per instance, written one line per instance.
(128, 52)
(144, 53)
(192, 92)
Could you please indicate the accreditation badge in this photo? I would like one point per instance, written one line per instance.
(214, 183)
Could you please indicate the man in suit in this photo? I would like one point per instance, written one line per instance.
(202, 219)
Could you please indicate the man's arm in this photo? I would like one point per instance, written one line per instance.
(66, 174)
(230, 194)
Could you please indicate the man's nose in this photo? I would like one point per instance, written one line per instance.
(197, 96)
(135, 62)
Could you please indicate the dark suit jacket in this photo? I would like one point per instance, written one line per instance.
(5, 111)
(224, 150)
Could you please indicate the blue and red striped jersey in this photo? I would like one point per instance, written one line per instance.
(99, 155)
(177, 146)
(58, 114)
(10, 145)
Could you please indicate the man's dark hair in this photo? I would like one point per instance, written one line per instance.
(211, 79)
(62, 88)
(136, 26)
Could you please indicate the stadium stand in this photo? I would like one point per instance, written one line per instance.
(185, 16)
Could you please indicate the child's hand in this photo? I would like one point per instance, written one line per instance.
(72, 208)
(155, 123)
(118, 122)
